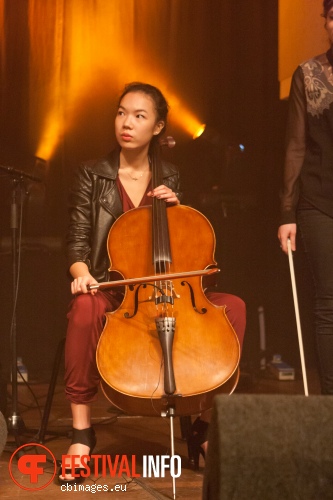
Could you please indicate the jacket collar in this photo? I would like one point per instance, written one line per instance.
(109, 165)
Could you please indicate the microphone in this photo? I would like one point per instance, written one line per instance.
(19, 173)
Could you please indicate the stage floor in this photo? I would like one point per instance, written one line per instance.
(117, 434)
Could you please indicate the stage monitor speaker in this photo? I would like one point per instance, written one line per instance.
(270, 447)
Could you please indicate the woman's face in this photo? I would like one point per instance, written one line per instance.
(136, 121)
(329, 24)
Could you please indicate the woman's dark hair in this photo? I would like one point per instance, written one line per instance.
(327, 5)
(160, 103)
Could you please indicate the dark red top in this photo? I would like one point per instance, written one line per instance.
(126, 200)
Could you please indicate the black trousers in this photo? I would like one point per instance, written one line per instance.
(316, 230)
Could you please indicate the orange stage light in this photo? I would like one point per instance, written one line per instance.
(200, 131)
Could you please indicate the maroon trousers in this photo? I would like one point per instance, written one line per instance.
(86, 318)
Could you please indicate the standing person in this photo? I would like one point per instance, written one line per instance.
(307, 196)
(101, 192)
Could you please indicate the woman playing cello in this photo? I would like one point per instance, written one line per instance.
(102, 191)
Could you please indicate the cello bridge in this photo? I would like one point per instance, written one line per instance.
(165, 293)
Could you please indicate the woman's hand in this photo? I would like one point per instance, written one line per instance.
(82, 278)
(287, 231)
(164, 193)
(79, 285)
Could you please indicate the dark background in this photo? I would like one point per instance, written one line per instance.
(235, 84)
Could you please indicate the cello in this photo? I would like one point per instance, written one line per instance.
(166, 349)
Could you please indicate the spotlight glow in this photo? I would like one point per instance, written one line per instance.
(200, 131)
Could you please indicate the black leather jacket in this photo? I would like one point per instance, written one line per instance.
(94, 205)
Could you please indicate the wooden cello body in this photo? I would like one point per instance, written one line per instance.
(205, 349)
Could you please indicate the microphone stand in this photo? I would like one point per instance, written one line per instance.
(15, 422)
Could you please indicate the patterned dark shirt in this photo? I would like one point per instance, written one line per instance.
(308, 173)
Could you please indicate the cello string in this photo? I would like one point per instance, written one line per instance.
(158, 222)
(162, 252)
(156, 244)
(161, 248)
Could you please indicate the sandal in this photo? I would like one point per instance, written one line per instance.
(198, 436)
(86, 437)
